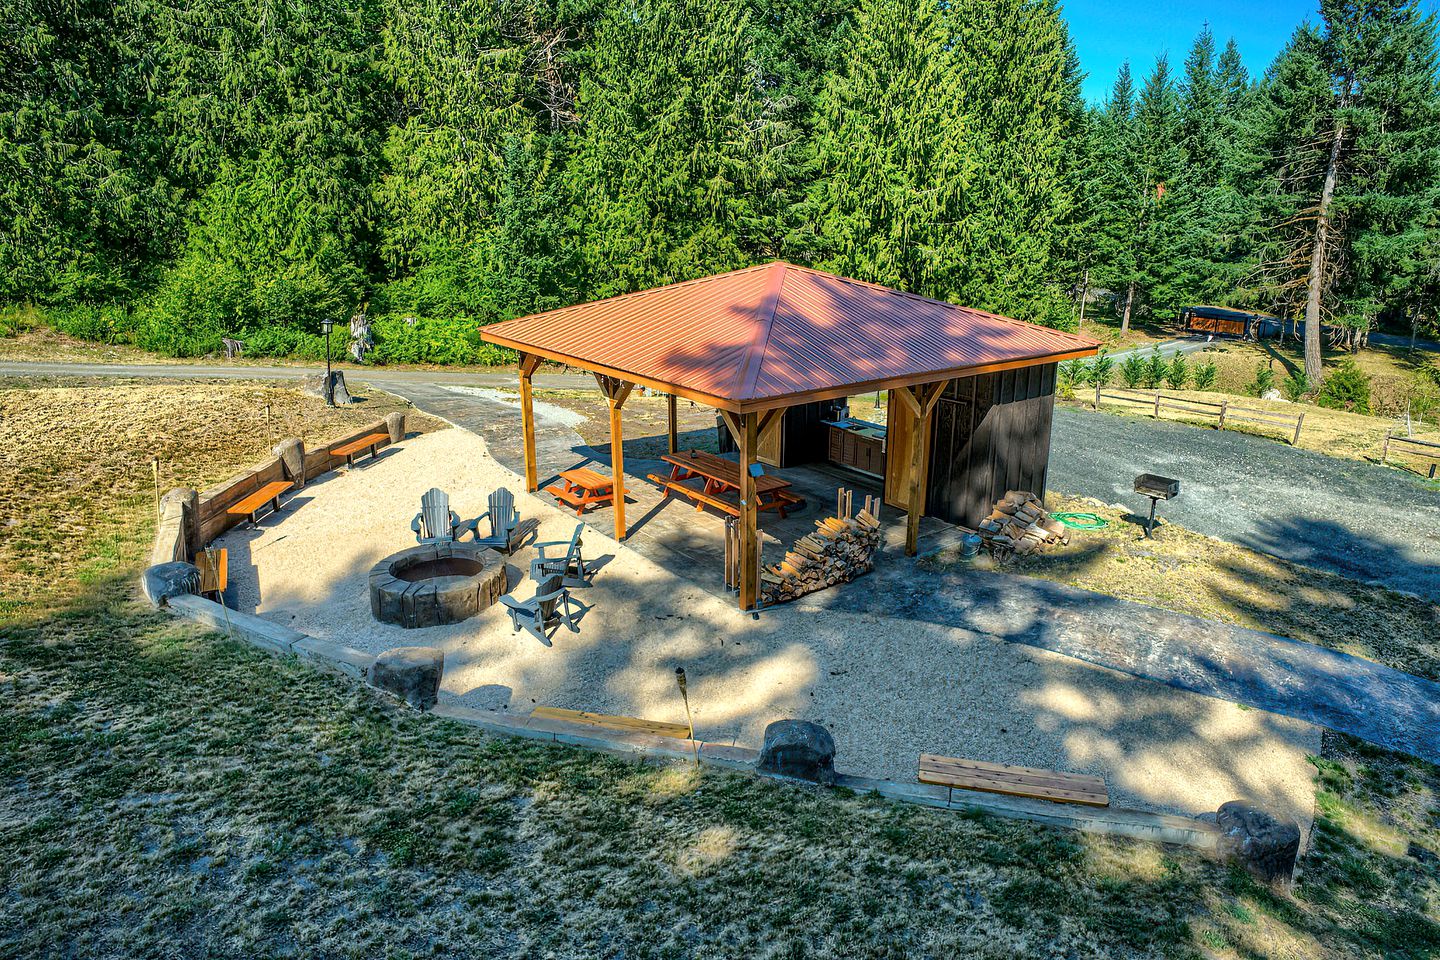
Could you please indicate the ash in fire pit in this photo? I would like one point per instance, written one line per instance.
(436, 583)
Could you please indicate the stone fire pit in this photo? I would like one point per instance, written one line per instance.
(436, 583)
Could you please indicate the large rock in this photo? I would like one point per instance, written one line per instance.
(410, 673)
(1266, 844)
(291, 454)
(395, 423)
(799, 748)
(315, 386)
(165, 580)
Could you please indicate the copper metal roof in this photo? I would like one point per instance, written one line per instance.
(779, 334)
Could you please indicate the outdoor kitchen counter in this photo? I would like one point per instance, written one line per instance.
(858, 444)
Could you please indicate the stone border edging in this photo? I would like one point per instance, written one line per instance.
(355, 664)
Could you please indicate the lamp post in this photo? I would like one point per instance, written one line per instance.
(327, 326)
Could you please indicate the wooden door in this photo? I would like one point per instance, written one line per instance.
(770, 444)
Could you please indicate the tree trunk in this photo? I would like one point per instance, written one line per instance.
(1314, 371)
(1084, 295)
(1129, 302)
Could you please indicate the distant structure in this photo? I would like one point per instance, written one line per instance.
(1229, 322)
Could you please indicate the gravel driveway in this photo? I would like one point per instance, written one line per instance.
(1357, 519)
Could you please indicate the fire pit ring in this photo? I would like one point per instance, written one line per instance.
(435, 584)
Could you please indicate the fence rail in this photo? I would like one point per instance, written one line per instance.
(1223, 411)
(1427, 444)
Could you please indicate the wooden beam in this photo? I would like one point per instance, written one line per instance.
(768, 419)
(616, 392)
(528, 363)
(749, 442)
(673, 431)
(921, 400)
(732, 424)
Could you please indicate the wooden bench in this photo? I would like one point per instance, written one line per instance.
(214, 573)
(629, 724)
(371, 442)
(251, 505)
(1015, 781)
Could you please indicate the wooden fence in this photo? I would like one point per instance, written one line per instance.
(1425, 445)
(1224, 411)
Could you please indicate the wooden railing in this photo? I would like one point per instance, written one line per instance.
(1426, 445)
(1224, 411)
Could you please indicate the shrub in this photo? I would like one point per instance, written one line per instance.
(1295, 386)
(1205, 374)
(1132, 371)
(1155, 369)
(1346, 388)
(1264, 381)
(1098, 374)
(430, 340)
(1067, 375)
(103, 324)
(1178, 373)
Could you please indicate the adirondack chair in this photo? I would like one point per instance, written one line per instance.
(575, 569)
(507, 530)
(436, 522)
(543, 613)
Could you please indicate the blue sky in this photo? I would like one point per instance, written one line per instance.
(1109, 32)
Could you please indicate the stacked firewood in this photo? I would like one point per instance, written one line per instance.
(1019, 525)
(841, 548)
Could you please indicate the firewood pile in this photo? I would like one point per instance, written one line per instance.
(1019, 525)
(841, 548)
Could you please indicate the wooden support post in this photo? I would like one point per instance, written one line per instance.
(1157, 404)
(528, 363)
(749, 442)
(674, 433)
(1385, 450)
(1296, 441)
(1224, 409)
(616, 393)
(921, 401)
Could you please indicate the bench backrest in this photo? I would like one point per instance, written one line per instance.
(572, 554)
(503, 515)
(435, 515)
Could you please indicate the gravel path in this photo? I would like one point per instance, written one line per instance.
(1357, 519)
(890, 689)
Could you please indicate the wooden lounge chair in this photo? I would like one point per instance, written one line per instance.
(577, 571)
(436, 522)
(543, 613)
(507, 530)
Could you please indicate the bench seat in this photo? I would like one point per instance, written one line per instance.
(253, 504)
(371, 442)
(1014, 781)
(629, 724)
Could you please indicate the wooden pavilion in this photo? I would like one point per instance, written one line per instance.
(757, 342)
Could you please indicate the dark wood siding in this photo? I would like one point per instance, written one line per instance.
(992, 434)
(803, 438)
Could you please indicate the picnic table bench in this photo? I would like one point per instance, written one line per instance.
(253, 504)
(1015, 781)
(721, 476)
(583, 487)
(629, 724)
(371, 442)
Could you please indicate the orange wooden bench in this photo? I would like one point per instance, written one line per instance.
(1014, 781)
(252, 505)
(371, 442)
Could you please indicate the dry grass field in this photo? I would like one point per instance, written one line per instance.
(167, 792)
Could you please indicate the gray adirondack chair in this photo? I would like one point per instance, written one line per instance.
(543, 613)
(436, 522)
(507, 530)
(574, 568)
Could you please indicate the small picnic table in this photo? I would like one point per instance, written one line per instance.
(583, 487)
(721, 476)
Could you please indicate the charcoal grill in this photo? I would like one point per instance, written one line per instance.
(1157, 488)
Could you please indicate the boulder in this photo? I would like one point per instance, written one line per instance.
(395, 423)
(165, 580)
(799, 748)
(291, 454)
(315, 386)
(1267, 845)
(410, 673)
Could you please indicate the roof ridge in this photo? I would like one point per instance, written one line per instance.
(749, 373)
(638, 293)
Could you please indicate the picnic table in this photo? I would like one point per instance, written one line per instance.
(583, 487)
(721, 476)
